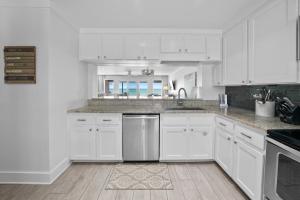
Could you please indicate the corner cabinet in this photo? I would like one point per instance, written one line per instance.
(235, 55)
(240, 152)
(272, 39)
(95, 137)
(186, 137)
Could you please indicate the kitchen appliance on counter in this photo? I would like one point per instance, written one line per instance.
(288, 111)
(282, 171)
(141, 137)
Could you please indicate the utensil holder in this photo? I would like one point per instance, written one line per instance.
(266, 109)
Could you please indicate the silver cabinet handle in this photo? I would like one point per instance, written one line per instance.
(179, 50)
(97, 129)
(106, 120)
(235, 142)
(104, 57)
(247, 136)
(139, 57)
(192, 129)
(145, 57)
(81, 120)
(228, 138)
(90, 130)
(205, 133)
(298, 39)
(186, 50)
(250, 81)
(184, 130)
(243, 81)
(222, 124)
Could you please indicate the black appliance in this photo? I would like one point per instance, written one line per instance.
(287, 111)
(282, 170)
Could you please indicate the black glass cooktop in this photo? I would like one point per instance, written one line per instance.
(290, 138)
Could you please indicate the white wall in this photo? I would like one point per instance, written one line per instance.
(67, 84)
(33, 125)
(24, 144)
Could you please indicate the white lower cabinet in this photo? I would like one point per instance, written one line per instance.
(183, 140)
(239, 151)
(174, 143)
(248, 169)
(109, 142)
(95, 137)
(83, 143)
(224, 149)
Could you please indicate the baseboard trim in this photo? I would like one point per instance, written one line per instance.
(59, 169)
(34, 177)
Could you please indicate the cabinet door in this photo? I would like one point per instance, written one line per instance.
(151, 47)
(134, 46)
(174, 143)
(109, 143)
(235, 55)
(194, 44)
(213, 47)
(224, 150)
(112, 47)
(200, 143)
(249, 170)
(89, 47)
(172, 44)
(83, 142)
(273, 44)
(217, 75)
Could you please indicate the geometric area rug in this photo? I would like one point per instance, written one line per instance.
(140, 177)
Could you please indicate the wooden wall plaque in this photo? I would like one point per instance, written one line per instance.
(20, 64)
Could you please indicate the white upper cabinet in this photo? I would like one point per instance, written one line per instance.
(188, 47)
(194, 44)
(112, 47)
(172, 43)
(214, 47)
(217, 72)
(89, 47)
(273, 43)
(235, 55)
(142, 47)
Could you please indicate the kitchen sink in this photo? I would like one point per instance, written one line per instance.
(185, 108)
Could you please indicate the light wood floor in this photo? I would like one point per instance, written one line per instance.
(202, 181)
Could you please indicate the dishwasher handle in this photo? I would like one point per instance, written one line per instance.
(140, 117)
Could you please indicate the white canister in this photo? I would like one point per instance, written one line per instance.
(266, 109)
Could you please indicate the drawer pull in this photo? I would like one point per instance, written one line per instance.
(81, 120)
(90, 130)
(184, 130)
(228, 138)
(247, 136)
(222, 124)
(106, 120)
(97, 129)
(205, 133)
(192, 129)
(235, 142)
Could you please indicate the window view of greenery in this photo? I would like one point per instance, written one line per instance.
(132, 88)
(143, 89)
(157, 88)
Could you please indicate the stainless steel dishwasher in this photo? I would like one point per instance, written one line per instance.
(140, 137)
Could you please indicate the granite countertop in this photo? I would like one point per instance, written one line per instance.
(240, 115)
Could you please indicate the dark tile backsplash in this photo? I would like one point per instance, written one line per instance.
(241, 96)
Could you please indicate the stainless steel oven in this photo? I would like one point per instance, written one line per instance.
(282, 170)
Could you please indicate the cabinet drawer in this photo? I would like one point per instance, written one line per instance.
(109, 119)
(174, 120)
(79, 120)
(251, 137)
(201, 120)
(223, 123)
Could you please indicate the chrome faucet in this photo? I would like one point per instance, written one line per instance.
(179, 100)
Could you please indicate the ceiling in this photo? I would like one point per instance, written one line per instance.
(153, 13)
